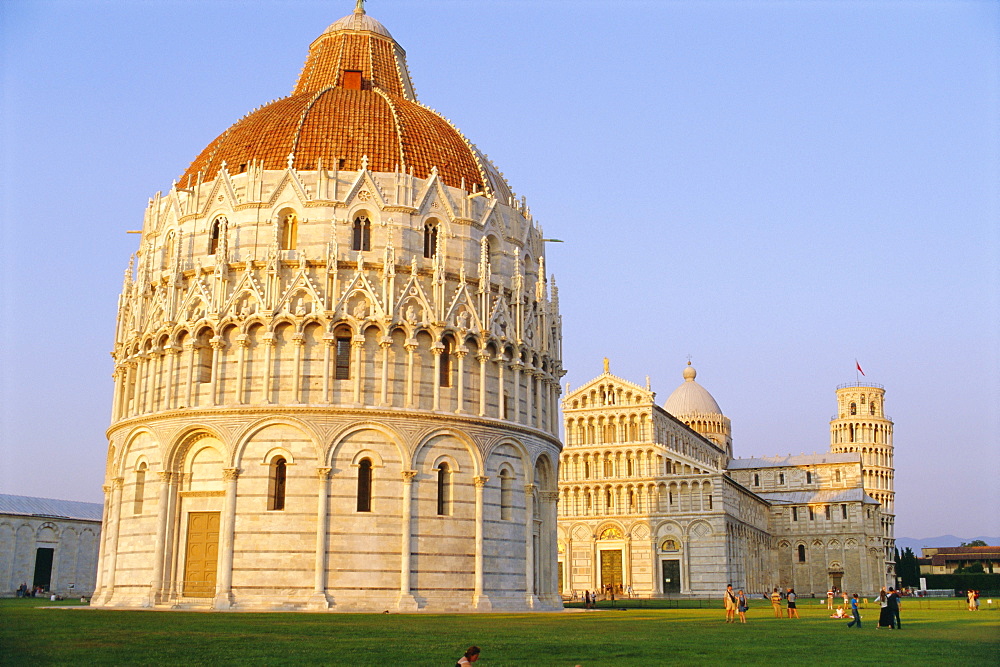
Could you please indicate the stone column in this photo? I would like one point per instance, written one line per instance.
(329, 341)
(116, 405)
(501, 396)
(480, 601)
(159, 556)
(192, 350)
(685, 569)
(411, 347)
(358, 348)
(516, 367)
(657, 587)
(548, 544)
(142, 396)
(483, 358)
(437, 349)
(460, 353)
(529, 546)
(173, 526)
(299, 342)
(386, 345)
(319, 599)
(529, 397)
(627, 574)
(101, 550)
(406, 601)
(224, 585)
(171, 379)
(243, 344)
(267, 340)
(213, 382)
(111, 555)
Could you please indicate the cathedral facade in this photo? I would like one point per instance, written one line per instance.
(652, 500)
(337, 365)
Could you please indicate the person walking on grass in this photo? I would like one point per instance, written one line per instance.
(742, 604)
(776, 603)
(892, 604)
(729, 601)
(793, 612)
(884, 618)
(855, 613)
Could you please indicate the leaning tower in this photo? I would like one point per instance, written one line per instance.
(862, 426)
(336, 364)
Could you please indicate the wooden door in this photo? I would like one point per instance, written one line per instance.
(611, 568)
(202, 554)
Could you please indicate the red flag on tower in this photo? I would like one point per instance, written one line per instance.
(859, 367)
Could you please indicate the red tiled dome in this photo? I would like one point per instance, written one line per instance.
(353, 99)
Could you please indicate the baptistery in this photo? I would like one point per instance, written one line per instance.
(337, 363)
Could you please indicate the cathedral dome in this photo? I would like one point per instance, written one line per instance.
(353, 100)
(691, 397)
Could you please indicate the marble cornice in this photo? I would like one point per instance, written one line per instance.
(208, 414)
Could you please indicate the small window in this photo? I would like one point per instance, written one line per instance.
(343, 358)
(826, 509)
(781, 478)
(289, 232)
(843, 511)
(812, 515)
(276, 484)
(140, 489)
(430, 239)
(836, 475)
(507, 495)
(352, 79)
(362, 239)
(756, 480)
(795, 514)
(854, 408)
(809, 477)
(802, 553)
(365, 486)
(213, 236)
(443, 489)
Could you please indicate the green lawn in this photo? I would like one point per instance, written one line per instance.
(32, 632)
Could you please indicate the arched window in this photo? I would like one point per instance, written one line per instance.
(802, 553)
(342, 355)
(871, 407)
(140, 488)
(444, 379)
(365, 486)
(507, 495)
(430, 239)
(836, 475)
(213, 235)
(362, 239)
(443, 489)
(289, 233)
(854, 408)
(276, 484)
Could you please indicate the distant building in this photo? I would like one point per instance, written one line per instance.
(946, 560)
(651, 498)
(48, 543)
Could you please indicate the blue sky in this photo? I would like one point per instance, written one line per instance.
(775, 188)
